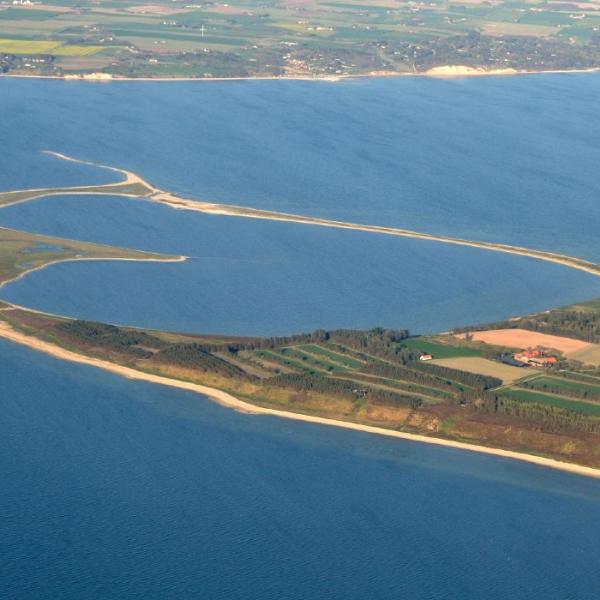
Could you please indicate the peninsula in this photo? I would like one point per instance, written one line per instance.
(463, 389)
(373, 381)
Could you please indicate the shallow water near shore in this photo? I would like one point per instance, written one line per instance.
(122, 489)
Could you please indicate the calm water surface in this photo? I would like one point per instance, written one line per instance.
(121, 489)
(257, 277)
(504, 159)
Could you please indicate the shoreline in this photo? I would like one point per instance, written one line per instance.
(83, 258)
(227, 400)
(158, 196)
(475, 72)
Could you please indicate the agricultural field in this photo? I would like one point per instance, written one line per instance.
(519, 339)
(441, 349)
(319, 38)
(484, 366)
(364, 369)
(525, 396)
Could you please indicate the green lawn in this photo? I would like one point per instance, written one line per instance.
(439, 350)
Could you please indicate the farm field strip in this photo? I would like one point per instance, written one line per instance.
(335, 357)
(584, 377)
(562, 382)
(288, 361)
(438, 349)
(389, 388)
(582, 406)
(432, 395)
(312, 359)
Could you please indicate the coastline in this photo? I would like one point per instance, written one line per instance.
(91, 258)
(230, 401)
(158, 196)
(435, 73)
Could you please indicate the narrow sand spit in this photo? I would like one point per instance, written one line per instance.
(153, 194)
(91, 259)
(226, 399)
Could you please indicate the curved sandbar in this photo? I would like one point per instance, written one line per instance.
(134, 186)
(226, 399)
(131, 186)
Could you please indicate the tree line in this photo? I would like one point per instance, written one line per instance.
(553, 419)
(325, 385)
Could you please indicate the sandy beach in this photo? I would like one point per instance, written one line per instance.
(226, 399)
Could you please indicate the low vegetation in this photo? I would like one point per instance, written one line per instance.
(21, 252)
(372, 377)
(279, 38)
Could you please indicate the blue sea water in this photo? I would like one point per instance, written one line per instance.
(120, 489)
(504, 159)
(264, 278)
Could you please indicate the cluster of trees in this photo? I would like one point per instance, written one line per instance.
(400, 372)
(569, 322)
(127, 341)
(317, 383)
(477, 50)
(584, 325)
(259, 343)
(552, 419)
(385, 343)
(379, 341)
(194, 357)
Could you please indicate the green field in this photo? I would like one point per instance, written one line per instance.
(586, 408)
(324, 38)
(27, 46)
(563, 383)
(439, 350)
(335, 358)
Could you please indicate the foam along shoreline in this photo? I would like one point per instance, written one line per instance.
(153, 194)
(444, 71)
(229, 401)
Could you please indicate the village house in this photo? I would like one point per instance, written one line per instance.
(536, 357)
